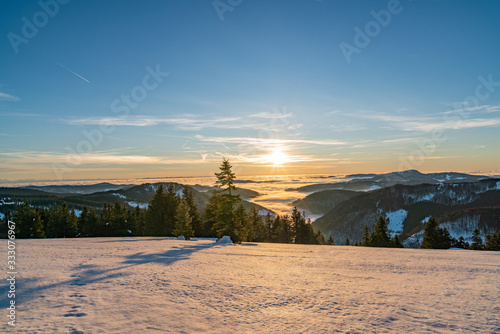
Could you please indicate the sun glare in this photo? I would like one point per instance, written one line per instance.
(277, 157)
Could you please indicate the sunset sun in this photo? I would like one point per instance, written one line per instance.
(277, 157)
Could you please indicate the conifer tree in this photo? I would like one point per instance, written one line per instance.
(396, 242)
(139, 221)
(193, 212)
(255, 227)
(171, 204)
(210, 215)
(183, 221)
(330, 241)
(493, 241)
(156, 216)
(347, 242)
(366, 237)
(477, 241)
(226, 217)
(380, 236)
(435, 237)
(88, 223)
(24, 217)
(320, 238)
(61, 222)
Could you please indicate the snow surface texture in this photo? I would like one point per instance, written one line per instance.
(155, 285)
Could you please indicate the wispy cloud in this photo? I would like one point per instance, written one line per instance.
(8, 97)
(460, 108)
(347, 127)
(99, 158)
(272, 115)
(249, 140)
(451, 125)
(185, 123)
(433, 123)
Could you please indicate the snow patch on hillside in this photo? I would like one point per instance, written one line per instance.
(119, 195)
(2, 216)
(425, 220)
(78, 213)
(396, 220)
(464, 227)
(140, 205)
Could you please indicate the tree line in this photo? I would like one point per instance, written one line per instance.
(436, 237)
(170, 215)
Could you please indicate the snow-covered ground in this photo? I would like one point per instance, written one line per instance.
(155, 285)
(396, 220)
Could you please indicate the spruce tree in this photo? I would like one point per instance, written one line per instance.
(255, 227)
(493, 241)
(366, 237)
(226, 223)
(396, 242)
(330, 241)
(477, 241)
(61, 222)
(431, 234)
(139, 221)
(193, 212)
(183, 221)
(171, 204)
(24, 217)
(156, 216)
(210, 215)
(347, 242)
(380, 236)
(435, 237)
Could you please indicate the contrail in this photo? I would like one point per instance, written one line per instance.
(78, 75)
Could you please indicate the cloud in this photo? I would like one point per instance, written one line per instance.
(7, 97)
(348, 127)
(99, 158)
(184, 123)
(275, 142)
(433, 123)
(457, 108)
(451, 125)
(270, 115)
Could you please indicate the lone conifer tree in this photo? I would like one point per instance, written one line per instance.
(227, 221)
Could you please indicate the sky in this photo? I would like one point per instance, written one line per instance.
(117, 89)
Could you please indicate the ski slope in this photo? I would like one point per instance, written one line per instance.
(158, 285)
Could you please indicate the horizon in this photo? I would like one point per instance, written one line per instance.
(103, 91)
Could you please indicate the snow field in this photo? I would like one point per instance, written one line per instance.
(159, 285)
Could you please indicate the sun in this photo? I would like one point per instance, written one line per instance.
(277, 157)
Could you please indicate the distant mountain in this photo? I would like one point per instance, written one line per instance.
(323, 201)
(367, 182)
(135, 195)
(406, 207)
(80, 189)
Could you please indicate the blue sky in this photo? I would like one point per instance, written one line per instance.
(264, 83)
